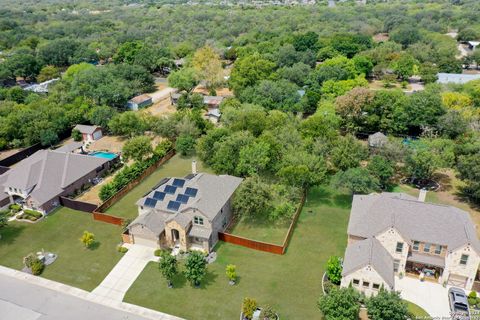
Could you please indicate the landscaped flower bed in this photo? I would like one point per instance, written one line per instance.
(30, 215)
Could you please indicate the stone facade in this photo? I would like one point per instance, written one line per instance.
(366, 280)
(389, 239)
(453, 266)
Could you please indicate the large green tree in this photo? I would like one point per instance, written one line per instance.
(340, 304)
(195, 268)
(387, 305)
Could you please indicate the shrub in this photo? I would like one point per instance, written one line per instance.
(15, 207)
(158, 252)
(472, 298)
(76, 135)
(248, 307)
(122, 249)
(231, 272)
(33, 213)
(37, 267)
(87, 239)
(268, 313)
(334, 269)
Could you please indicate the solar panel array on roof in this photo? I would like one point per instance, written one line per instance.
(159, 195)
(178, 183)
(191, 192)
(173, 205)
(170, 189)
(149, 202)
(182, 198)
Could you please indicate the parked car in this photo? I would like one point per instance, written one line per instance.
(458, 304)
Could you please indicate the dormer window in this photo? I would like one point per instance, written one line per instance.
(198, 220)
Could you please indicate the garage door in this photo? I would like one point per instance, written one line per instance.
(145, 241)
(97, 135)
(457, 281)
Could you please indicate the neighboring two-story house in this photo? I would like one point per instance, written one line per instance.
(395, 234)
(186, 213)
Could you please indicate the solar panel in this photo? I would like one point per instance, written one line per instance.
(178, 183)
(159, 195)
(182, 198)
(173, 205)
(191, 192)
(170, 189)
(149, 202)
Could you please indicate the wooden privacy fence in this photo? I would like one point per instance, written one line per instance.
(265, 246)
(20, 155)
(99, 212)
(77, 205)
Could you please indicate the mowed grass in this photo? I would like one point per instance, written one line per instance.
(261, 230)
(60, 233)
(417, 311)
(177, 166)
(290, 283)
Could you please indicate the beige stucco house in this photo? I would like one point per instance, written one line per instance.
(395, 234)
(185, 213)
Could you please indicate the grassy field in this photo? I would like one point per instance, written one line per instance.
(290, 283)
(178, 166)
(60, 233)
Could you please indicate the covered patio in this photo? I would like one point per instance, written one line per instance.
(424, 266)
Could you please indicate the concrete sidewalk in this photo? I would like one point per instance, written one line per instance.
(27, 297)
(123, 275)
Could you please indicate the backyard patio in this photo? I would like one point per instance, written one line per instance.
(263, 276)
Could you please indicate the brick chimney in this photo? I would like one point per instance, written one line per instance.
(194, 167)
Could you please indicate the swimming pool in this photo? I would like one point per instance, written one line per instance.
(104, 155)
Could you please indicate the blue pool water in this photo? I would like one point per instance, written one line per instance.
(105, 155)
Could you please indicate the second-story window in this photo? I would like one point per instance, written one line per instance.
(416, 245)
(464, 259)
(438, 249)
(399, 247)
(198, 220)
(426, 247)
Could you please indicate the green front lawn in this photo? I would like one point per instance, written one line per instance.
(290, 283)
(417, 311)
(178, 166)
(60, 233)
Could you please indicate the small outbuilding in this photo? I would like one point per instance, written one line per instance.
(214, 115)
(139, 102)
(89, 133)
(377, 140)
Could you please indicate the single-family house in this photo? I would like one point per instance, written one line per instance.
(89, 133)
(185, 213)
(395, 234)
(139, 102)
(457, 78)
(41, 179)
(377, 140)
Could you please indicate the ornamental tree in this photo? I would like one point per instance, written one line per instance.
(168, 267)
(340, 304)
(88, 239)
(334, 269)
(195, 268)
(387, 305)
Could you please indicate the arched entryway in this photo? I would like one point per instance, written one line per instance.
(175, 235)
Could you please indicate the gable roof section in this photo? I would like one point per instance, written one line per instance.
(150, 220)
(140, 99)
(414, 220)
(50, 172)
(85, 128)
(213, 192)
(369, 252)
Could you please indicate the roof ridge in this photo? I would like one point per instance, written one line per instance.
(42, 170)
(65, 167)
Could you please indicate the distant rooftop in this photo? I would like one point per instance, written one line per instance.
(457, 78)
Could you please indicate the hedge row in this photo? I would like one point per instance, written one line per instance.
(129, 173)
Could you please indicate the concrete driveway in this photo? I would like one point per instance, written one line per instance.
(124, 274)
(432, 297)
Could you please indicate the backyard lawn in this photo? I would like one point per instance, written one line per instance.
(290, 283)
(177, 166)
(261, 230)
(60, 233)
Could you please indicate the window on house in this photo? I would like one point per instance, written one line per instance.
(224, 224)
(416, 245)
(399, 248)
(464, 259)
(375, 286)
(438, 249)
(198, 220)
(426, 247)
(396, 264)
(356, 282)
(366, 284)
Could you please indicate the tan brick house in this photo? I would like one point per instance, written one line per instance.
(413, 238)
